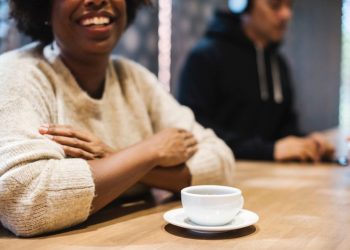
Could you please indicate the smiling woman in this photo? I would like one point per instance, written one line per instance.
(33, 17)
(80, 129)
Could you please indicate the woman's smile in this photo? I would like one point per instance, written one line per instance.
(97, 25)
(84, 28)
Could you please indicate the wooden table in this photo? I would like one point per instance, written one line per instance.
(301, 206)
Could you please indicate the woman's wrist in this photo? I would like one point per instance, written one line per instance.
(149, 153)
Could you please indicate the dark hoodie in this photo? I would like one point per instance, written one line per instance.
(241, 92)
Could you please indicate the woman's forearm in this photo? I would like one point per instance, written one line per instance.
(115, 174)
(171, 179)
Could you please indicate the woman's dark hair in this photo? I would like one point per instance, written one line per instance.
(32, 16)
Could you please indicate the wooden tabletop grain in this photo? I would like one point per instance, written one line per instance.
(301, 206)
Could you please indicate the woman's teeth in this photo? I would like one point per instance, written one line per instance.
(96, 21)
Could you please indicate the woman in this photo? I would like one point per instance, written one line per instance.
(79, 129)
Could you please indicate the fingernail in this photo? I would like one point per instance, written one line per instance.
(46, 125)
(44, 129)
(49, 136)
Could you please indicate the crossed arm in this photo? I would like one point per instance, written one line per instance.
(156, 161)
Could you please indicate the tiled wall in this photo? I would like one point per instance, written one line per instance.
(140, 41)
(190, 18)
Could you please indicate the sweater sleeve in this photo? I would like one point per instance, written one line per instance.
(213, 163)
(40, 189)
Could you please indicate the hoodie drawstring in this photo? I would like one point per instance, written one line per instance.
(260, 59)
(276, 77)
(276, 80)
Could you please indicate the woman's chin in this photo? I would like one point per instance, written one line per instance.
(99, 48)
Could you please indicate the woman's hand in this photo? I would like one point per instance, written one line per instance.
(172, 146)
(77, 144)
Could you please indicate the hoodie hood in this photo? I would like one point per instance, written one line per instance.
(226, 25)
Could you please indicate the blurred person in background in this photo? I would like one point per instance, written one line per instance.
(237, 82)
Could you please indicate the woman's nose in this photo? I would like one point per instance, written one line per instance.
(95, 4)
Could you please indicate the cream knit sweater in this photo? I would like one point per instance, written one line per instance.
(42, 190)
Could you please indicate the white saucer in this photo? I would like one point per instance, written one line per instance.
(178, 218)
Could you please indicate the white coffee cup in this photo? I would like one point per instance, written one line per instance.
(211, 205)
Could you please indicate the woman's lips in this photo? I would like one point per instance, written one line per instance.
(97, 26)
(95, 21)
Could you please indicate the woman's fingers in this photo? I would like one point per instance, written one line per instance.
(191, 142)
(77, 153)
(71, 142)
(80, 143)
(189, 138)
(63, 130)
(191, 151)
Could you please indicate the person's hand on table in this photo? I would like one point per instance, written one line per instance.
(76, 143)
(296, 148)
(325, 149)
